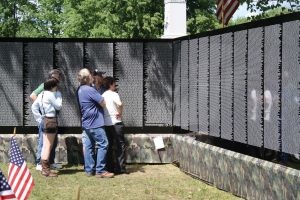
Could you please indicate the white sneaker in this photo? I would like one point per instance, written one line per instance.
(38, 167)
(55, 166)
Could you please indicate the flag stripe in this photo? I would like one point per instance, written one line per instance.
(18, 182)
(231, 11)
(6, 192)
(227, 6)
(28, 188)
(228, 9)
(17, 176)
(12, 173)
(22, 183)
(8, 197)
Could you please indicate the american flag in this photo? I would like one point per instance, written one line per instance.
(19, 177)
(226, 8)
(5, 191)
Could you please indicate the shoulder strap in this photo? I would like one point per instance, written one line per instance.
(42, 103)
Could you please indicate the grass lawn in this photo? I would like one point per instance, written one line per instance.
(143, 182)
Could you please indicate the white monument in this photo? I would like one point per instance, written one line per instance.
(175, 18)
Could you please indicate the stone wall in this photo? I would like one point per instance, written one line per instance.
(140, 148)
(242, 175)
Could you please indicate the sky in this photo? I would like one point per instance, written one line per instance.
(242, 11)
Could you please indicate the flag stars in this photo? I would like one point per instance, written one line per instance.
(3, 183)
(15, 154)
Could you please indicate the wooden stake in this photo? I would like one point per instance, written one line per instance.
(14, 133)
(78, 192)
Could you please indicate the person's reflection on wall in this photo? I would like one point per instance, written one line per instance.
(268, 102)
(253, 105)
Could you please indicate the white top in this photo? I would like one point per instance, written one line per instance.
(52, 101)
(112, 101)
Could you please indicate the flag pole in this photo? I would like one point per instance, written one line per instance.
(222, 13)
(14, 133)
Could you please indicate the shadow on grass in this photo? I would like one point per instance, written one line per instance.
(132, 168)
(71, 169)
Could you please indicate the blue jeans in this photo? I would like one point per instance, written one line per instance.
(40, 145)
(92, 138)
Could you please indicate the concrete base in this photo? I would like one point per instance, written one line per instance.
(242, 175)
(140, 148)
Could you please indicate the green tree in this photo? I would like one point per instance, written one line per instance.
(201, 16)
(77, 17)
(272, 12)
(118, 19)
(138, 18)
(267, 5)
(271, 8)
(108, 19)
(9, 19)
(41, 19)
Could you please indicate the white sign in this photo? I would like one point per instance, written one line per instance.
(158, 142)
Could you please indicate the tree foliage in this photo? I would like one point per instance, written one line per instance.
(108, 19)
(270, 13)
(267, 5)
(9, 22)
(201, 16)
(42, 19)
(267, 9)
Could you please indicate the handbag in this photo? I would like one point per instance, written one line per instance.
(50, 124)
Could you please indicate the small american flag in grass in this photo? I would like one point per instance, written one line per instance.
(5, 191)
(19, 177)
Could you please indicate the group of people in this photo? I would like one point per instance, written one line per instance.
(101, 120)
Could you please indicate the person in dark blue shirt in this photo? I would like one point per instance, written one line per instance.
(91, 105)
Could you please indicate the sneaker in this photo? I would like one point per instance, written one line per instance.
(55, 166)
(105, 175)
(38, 167)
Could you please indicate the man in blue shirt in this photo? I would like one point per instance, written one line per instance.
(91, 105)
